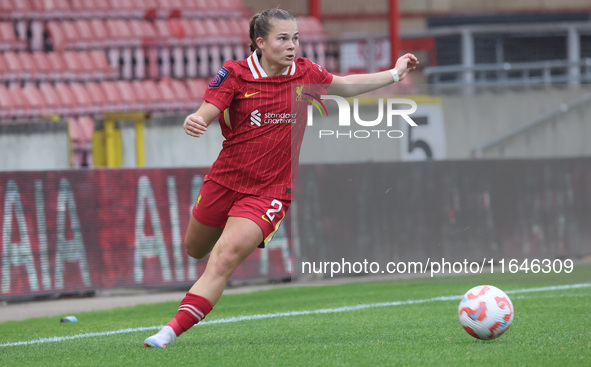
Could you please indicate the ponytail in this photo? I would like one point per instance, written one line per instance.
(260, 24)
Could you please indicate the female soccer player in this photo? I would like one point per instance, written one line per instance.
(248, 189)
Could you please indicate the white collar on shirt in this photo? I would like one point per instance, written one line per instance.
(258, 71)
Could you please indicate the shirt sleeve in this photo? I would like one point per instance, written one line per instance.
(325, 76)
(317, 76)
(221, 89)
(321, 75)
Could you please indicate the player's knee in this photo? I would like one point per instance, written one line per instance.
(196, 251)
(224, 263)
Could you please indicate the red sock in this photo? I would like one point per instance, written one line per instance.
(193, 309)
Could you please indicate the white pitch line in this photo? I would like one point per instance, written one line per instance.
(284, 314)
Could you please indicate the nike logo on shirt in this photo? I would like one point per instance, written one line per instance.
(250, 94)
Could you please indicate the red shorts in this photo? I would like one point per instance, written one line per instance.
(216, 203)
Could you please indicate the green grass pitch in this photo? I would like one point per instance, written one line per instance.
(391, 323)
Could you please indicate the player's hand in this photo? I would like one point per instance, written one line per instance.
(195, 125)
(406, 64)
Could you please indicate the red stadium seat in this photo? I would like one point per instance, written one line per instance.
(197, 35)
(5, 7)
(148, 7)
(52, 100)
(112, 96)
(8, 107)
(84, 103)
(127, 94)
(4, 72)
(36, 104)
(74, 38)
(13, 66)
(141, 95)
(80, 9)
(20, 66)
(169, 8)
(67, 98)
(313, 38)
(86, 38)
(28, 65)
(74, 67)
(87, 125)
(19, 9)
(57, 35)
(101, 64)
(214, 50)
(144, 30)
(90, 8)
(149, 90)
(232, 39)
(97, 97)
(57, 66)
(43, 67)
(240, 27)
(182, 94)
(168, 95)
(55, 9)
(192, 35)
(194, 9)
(21, 109)
(100, 33)
(195, 90)
(233, 9)
(123, 40)
(204, 9)
(76, 137)
(121, 9)
(121, 34)
(89, 69)
(177, 32)
(178, 56)
(163, 32)
(80, 130)
(9, 39)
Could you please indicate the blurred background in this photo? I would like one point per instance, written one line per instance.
(97, 175)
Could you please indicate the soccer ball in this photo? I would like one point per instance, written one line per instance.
(486, 312)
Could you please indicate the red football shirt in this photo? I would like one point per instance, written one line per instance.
(263, 122)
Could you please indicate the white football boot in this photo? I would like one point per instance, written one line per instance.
(161, 339)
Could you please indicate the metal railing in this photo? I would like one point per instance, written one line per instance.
(573, 69)
(537, 72)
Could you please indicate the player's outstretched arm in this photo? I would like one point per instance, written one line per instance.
(196, 123)
(354, 84)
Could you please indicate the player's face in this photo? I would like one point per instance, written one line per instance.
(282, 43)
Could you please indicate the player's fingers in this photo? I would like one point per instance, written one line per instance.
(195, 119)
(195, 129)
(194, 125)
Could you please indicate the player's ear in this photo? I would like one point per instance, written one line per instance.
(260, 42)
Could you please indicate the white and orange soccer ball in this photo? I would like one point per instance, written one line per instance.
(486, 312)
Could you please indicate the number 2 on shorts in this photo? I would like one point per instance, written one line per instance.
(276, 208)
